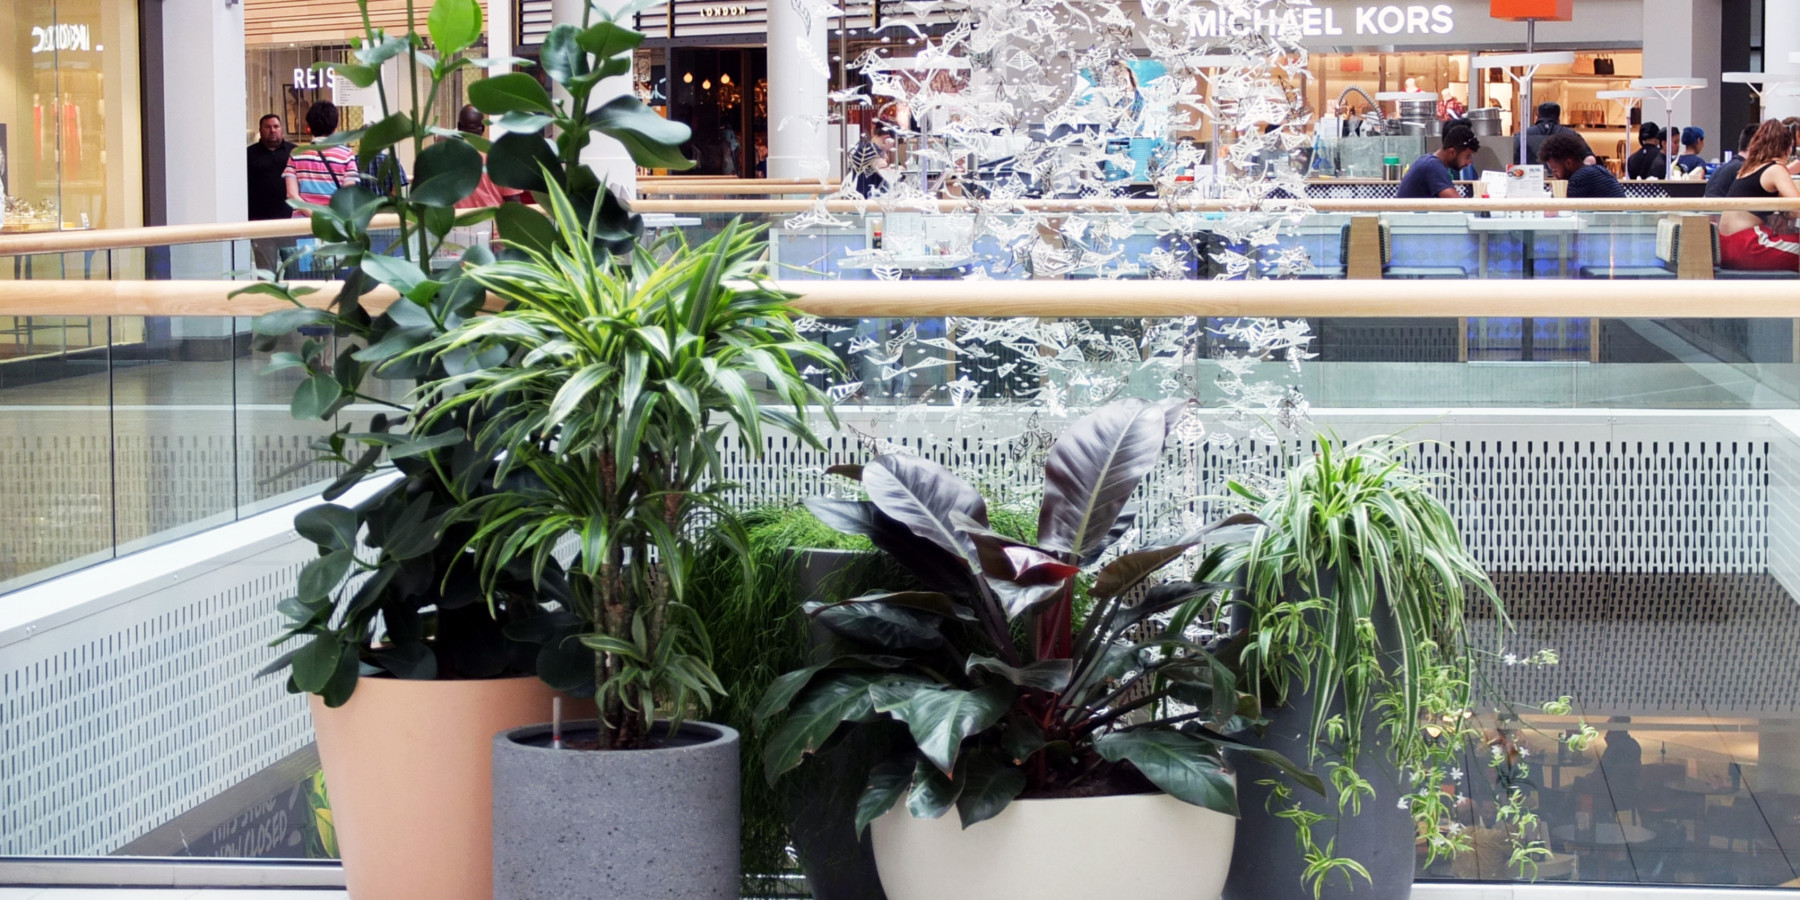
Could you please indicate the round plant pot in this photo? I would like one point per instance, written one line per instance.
(408, 770)
(654, 824)
(1137, 845)
(1267, 863)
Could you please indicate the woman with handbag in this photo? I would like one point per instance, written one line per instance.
(313, 174)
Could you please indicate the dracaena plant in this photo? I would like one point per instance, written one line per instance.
(990, 684)
(621, 376)
(414, 612)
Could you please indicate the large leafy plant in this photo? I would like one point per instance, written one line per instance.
(621, 377)
(990, 684)
(409, 607)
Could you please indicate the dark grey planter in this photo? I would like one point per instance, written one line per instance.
(1266, 863)
(628, 824)
(822, 793)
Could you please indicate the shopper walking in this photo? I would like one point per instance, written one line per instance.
(1648, 161)
(1762, 241)
(267, 195)
(314, 174)
(1430, 175)
(1565, 156)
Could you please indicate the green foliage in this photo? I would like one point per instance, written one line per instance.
(620, 376)
(415, 592)
(991, 710)
(1356, 592)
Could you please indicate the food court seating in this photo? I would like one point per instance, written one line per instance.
(1669, 243)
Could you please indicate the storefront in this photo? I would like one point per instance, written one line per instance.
(282, 48)
(1360, 50)
(70, 118)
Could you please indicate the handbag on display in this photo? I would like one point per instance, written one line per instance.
(1603, 65)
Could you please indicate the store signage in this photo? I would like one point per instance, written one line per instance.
(719, 12)
(59, 37)
(315, 80)
(1323, 21)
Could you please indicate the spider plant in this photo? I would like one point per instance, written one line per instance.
(621, 375)
(989, 684)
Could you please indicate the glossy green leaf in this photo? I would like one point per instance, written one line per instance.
(382, 135)
(1091, 472)
(525, 227)
(317, 397)
(402, 275)
(884, 627)
(1045, 675)
(284, 321)
(561, 55)
(328, 525)
(988, 787)
(520, 160)
(813, 719)
(445, 172)
(933, 792)
(323, 575)
(317, 662)
(941, 719)
(455, 25)
(606, 39)
(360, 75)
(511, 92)
(1184, 767)
(651, 140)
(887, 784)
(413, 661)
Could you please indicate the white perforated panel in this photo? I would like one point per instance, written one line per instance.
(117, 720)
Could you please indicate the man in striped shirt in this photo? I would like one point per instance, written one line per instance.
(314, 174)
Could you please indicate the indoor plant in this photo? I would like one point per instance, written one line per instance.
(1003, 702)
(1351, 627)
(392, 592)
(621, 374)
(754, 615)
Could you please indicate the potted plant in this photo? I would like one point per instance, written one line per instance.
(759, 631)
(410, 670)
(1351, 627)
(620, 375)
(1021, 687)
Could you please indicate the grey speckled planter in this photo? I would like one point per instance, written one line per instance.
(630, 824)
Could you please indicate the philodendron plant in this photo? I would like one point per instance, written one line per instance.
(621, 377)
(415, 612)
(991, 684)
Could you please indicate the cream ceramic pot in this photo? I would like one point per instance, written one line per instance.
(1139, 845)
(408, 767)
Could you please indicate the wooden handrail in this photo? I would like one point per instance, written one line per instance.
(169, 235)
(728, 188)
(1091, 298)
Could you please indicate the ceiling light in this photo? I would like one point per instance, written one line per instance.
(706, 85)
(725, 78)
(687, 78)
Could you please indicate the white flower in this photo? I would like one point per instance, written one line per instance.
(1511, 659)
(1456, 774)
(1402, 804)
(1524, 750)
(1497, 751)
(1456, 828)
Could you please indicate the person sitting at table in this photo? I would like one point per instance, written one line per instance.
(1761, 241)
(1566, 158)
(1693, 140)
(1430, 175)
(1648, 161)
(1719, 182)
(1622, 765)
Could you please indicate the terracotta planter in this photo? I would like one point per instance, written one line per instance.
(1137, 845)
(408, 765)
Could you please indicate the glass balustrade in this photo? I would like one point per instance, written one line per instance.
(1630, 483)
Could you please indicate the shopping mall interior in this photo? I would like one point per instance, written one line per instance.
(899, 449)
